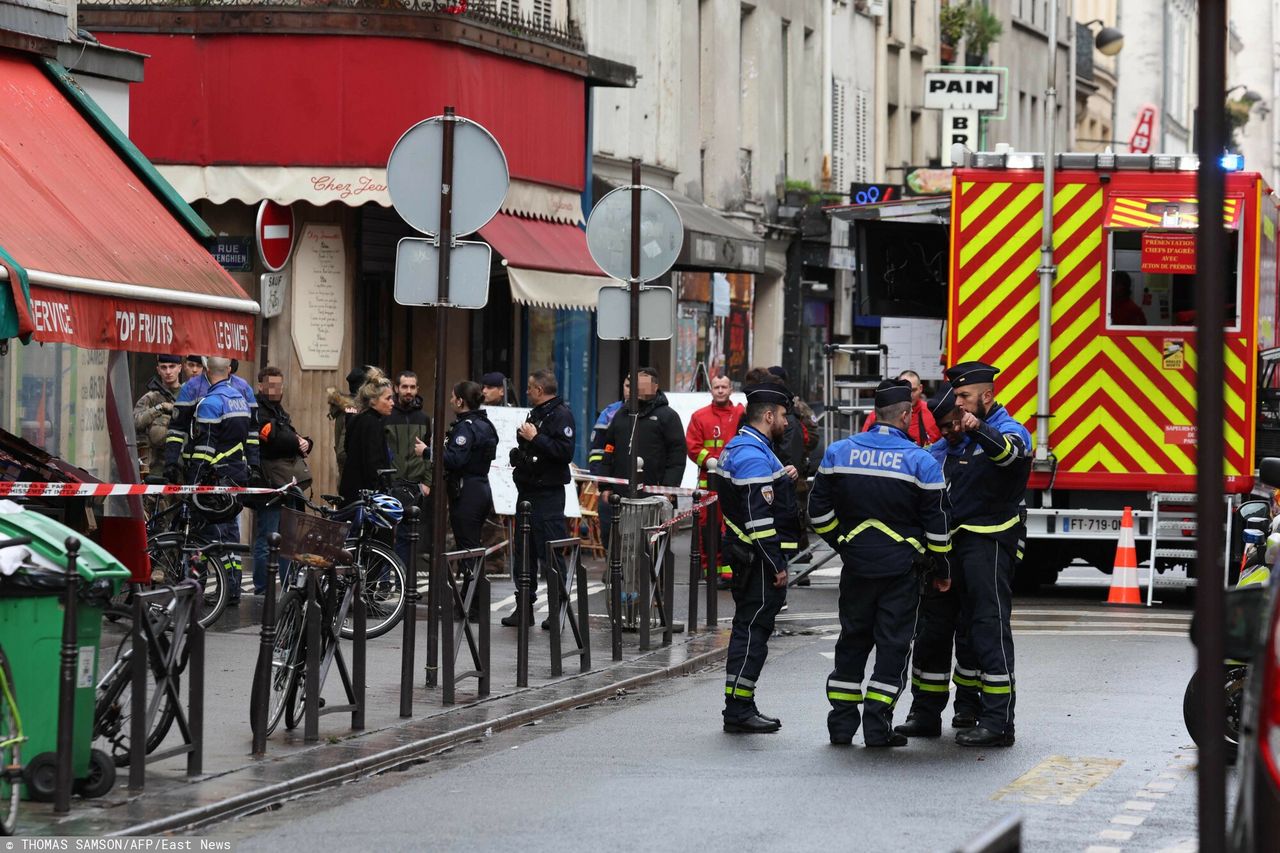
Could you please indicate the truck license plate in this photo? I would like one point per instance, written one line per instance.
(1090, 525)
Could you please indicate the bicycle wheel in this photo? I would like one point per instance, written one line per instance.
(113, 707)
(171, 560)
(286, 658)
(384, 591)
(10, 751)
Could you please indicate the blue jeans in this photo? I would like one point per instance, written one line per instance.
(267, 520)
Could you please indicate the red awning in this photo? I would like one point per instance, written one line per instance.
(548, 263)
(109, 266)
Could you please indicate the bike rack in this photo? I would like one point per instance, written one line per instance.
(167, 665)
(560, 606)
(657, 586)
(452, 636)
(266, 643)
(318, 671)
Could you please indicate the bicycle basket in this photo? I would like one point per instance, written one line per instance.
(312, 539)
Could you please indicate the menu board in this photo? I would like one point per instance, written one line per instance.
(506, 421)
(319, 296)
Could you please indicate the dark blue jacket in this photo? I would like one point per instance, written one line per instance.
(757, 500)
(470, 447)
(180, 425)
(987, 475)
(598, 433)
(542, 464)
(219, 436)
(880, 500)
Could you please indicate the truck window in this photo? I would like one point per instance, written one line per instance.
(1138, 299)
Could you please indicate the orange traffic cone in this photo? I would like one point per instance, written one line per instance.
(1124, 577)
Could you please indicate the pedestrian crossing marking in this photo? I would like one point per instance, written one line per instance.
(1058, 780)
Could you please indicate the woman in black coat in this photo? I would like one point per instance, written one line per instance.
(366, 441)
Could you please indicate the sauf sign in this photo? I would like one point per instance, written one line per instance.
(962, 90)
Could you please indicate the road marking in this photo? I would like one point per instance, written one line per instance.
(1140, 805)
(1058, 779)
(1098, 848)
(1129, 819)
(1154, 790)
(1089, 632)
(1082, 623)
(1116, 834)
(1108, 614)
(510, 600)
(1186, 845)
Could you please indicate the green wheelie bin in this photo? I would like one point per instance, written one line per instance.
(31, 619)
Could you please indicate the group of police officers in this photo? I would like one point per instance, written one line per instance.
(928, 537)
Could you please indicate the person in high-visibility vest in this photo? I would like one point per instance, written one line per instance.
(710, 429)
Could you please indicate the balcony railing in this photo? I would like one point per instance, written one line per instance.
(505, 16)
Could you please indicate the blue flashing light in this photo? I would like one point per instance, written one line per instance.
(1232, 162)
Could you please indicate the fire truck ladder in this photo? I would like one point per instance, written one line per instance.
(1171, 533)
(848, 397)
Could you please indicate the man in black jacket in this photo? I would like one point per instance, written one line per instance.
(541, 457)
(284, 458)
(655, 434)
(406, 425)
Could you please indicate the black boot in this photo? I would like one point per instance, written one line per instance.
(512, 620)
(920, 725)
(964, 720)
(979, 736)
(894, 739)
(756, 725)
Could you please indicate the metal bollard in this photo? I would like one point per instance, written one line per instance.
(311, 679)
(359, 620)
(67, 682)
(266, 649)
(553, 612)
(448, 654)
(410, 618)
(435, 592)
(482, 590)
(523, 602)
(713, 568)
(615, 577)
(584, 619)
(695, 562)
(195, 684)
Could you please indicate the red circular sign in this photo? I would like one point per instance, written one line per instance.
(275, 234)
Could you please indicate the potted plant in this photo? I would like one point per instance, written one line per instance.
(951, 23)
(981, 30)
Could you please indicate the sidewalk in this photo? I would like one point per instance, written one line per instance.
(236, 783)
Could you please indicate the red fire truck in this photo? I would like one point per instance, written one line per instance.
(1119, 329)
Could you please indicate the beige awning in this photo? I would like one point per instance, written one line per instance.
(545, 289)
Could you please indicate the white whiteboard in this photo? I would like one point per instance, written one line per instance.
(685, 405)
(914, 343)
(506, 420)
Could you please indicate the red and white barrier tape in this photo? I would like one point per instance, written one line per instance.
(619, 481)
(679, 517)
(113, 490)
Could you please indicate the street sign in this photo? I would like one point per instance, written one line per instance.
(417, 279)
(657, 313)
(958, 126)
(275, 232)
(609, 234)
(271, 288)
(480, 176)
(231, 253)
(962, 90)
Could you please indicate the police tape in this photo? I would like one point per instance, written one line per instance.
(116, 490)
(679, 517)
(678, 491)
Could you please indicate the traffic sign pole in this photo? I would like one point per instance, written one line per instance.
(436, 599)
(634, 400)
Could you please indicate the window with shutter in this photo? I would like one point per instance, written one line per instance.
(839, 134)
(862, 136)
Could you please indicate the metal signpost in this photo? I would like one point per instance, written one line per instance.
(427, 162)
(635, 234)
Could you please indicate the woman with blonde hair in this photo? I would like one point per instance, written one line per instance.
(366, 438)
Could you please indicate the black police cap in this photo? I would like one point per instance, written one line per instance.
(768, 392)
(892, 391)
(943, 403)
(971, 373)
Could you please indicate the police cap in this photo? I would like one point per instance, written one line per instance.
(493, 380)
(971, 373)
(769, 392)
(943, 403)
(892, 391)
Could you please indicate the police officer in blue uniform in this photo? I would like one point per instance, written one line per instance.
(987, 473)
(192, 392)
(939, 623)
(541, 457)
(469, 450)
(758, 500)
(217, 451)
(880, 500)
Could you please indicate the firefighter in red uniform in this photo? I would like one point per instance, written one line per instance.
(709, 431)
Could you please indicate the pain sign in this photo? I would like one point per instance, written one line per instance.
(962, 90)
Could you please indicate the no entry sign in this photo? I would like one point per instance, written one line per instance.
(275, 233)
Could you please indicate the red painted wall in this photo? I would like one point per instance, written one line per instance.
(343, 101)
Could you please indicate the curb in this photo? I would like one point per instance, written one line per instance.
(251, 801)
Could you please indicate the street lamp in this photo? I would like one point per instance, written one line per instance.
(1109, 41)
(1248, 96)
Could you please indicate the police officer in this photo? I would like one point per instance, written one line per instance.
(182, 426)
(939, 623)
(469, 450)
(541, 457)
(880, 501)
(987, 472)
(758, 502)
(217, 451)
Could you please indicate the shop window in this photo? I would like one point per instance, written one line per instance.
(55, 397)
(1161, 299)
